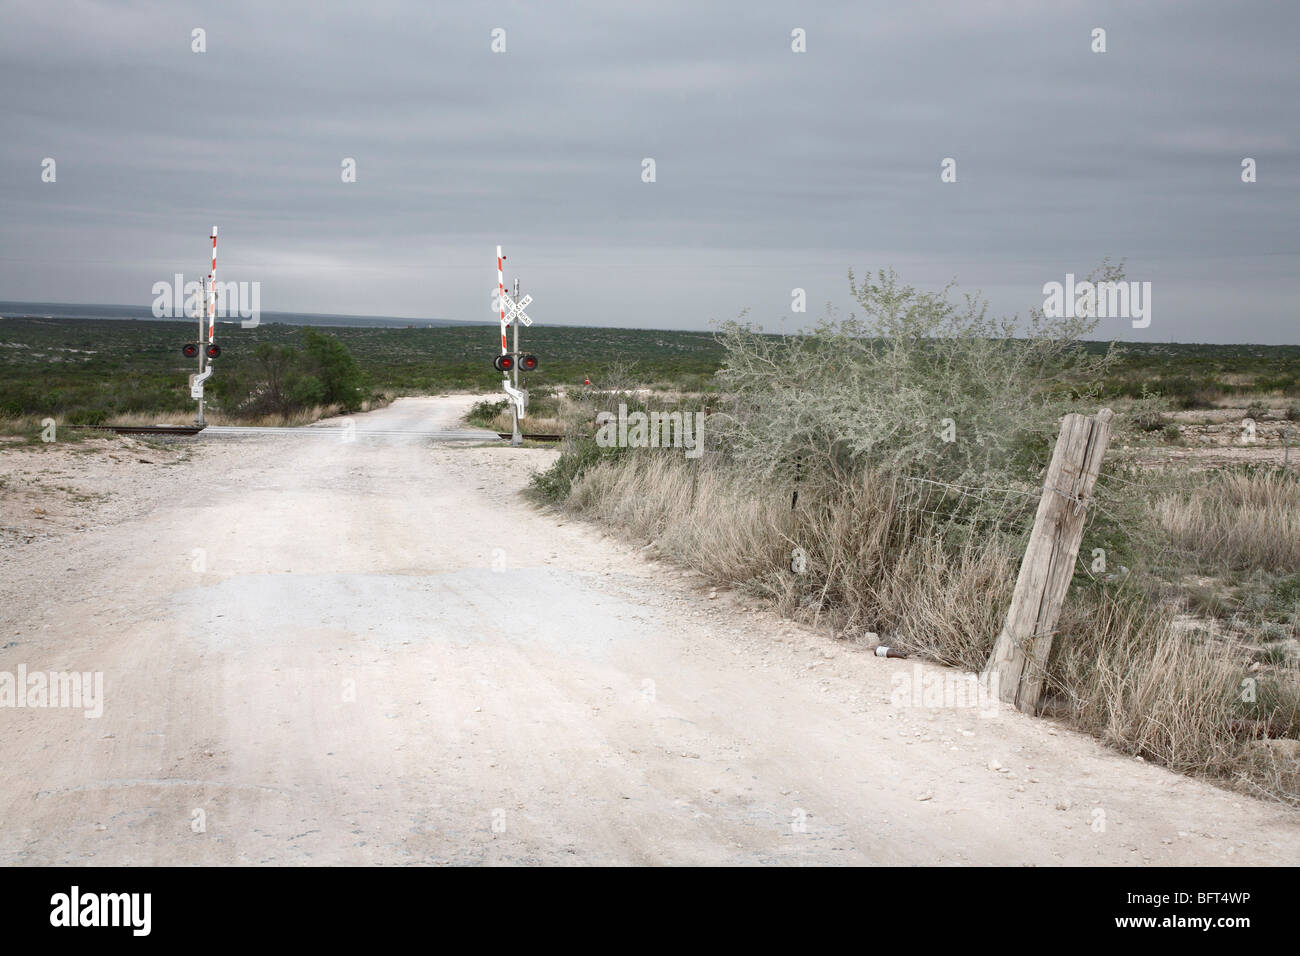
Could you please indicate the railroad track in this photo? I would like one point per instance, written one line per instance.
(331, 431)
(146, 429)
(507, 436)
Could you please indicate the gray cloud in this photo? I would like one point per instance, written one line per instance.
(775, 169)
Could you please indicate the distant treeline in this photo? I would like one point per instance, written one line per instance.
(89, 370)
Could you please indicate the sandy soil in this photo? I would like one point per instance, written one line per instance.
(318, 650)
(47, 490)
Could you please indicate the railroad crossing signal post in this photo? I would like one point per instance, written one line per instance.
(197, 385)
(512, 313)
(516, 439)
(210, 350)
(206, 353)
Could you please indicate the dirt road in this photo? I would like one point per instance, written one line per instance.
(319, 650)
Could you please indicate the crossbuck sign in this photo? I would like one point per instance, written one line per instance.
(515, 310)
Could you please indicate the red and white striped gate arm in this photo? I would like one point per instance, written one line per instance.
(501, 301)
(212, 289)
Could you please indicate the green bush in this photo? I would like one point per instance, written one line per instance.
(331, 375)
(283, 379)
(483, 413)
(87, 416)
(1189, 393)
(579, 454)
(919, 385)
(1149, 420)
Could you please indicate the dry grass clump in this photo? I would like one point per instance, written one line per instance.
(1121, 670)
(550, 412)
(867, 561)
(297, 417)
(302, 416)
(532, 424)
(1271, 769)
(1124, 671)
(1240, 520)
(731, 536)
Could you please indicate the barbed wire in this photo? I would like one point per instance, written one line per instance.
(966, 489)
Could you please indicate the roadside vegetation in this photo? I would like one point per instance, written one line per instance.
(879, 476)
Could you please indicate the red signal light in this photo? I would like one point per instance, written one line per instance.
(528, 362)
(190, 350)
(214, 351)
(504, 363)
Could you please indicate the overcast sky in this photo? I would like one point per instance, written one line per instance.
(774, 169)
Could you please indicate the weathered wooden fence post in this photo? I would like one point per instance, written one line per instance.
(1019, 660)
